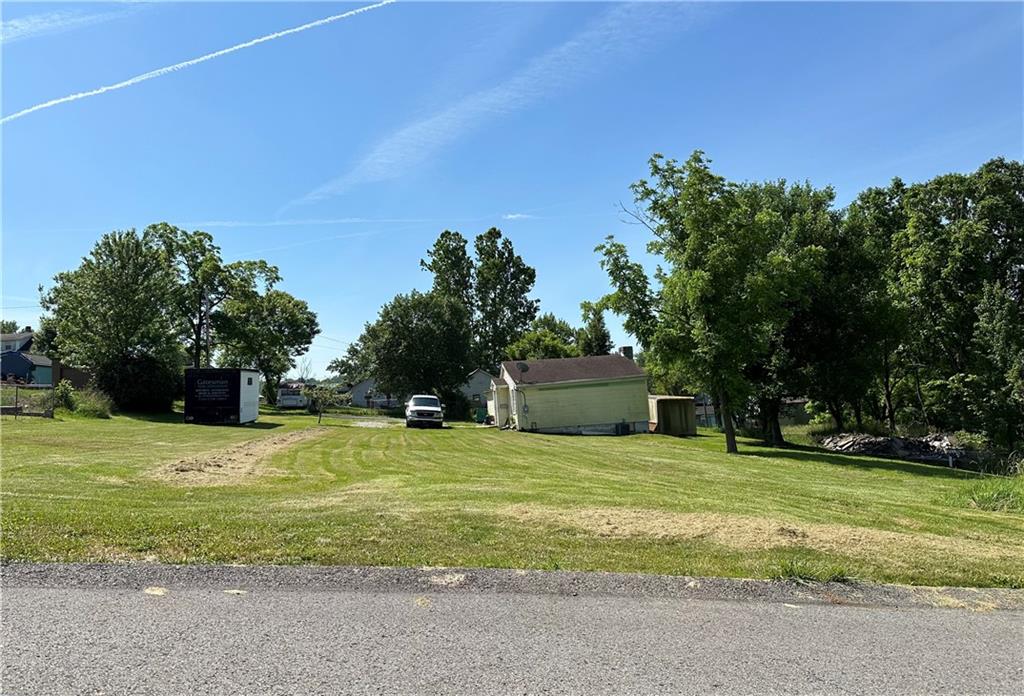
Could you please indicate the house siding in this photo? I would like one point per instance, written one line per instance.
(479, 386)
(581, 407)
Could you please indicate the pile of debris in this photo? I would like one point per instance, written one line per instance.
(930, 448)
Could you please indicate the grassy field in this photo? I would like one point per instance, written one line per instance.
(129, 489)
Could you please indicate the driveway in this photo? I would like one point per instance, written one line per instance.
(149, 629)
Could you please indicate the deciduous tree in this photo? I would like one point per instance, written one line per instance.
(265, 332)
(419, 344)
(115, 315)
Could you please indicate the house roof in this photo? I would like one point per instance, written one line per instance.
(470, 376)
(19, 336)
(34, 358)
(594, 367)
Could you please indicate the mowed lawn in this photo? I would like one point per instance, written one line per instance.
(130, 489)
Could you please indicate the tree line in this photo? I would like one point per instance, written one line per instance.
(905, 308)
(142, 306)
(477, 313)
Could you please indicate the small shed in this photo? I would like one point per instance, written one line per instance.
(672, 415)
(30, 368)
(221, 396)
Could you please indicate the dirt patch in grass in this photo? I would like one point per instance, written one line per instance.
(741, 532)
(374, 424)
(234, 464)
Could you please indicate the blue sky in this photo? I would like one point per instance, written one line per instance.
(339, 153)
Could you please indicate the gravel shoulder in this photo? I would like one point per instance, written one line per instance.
(501, 581)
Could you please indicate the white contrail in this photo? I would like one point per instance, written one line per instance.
(189, 63)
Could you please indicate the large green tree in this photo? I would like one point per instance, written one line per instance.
(453, 270)
(8, 326)
(265, 332)
(731, 275)
(493, 285)
(205, 282)
(420, 343)
(115, 315)
(959, 270)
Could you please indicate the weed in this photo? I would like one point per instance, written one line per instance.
(998, 494)
(803, 571)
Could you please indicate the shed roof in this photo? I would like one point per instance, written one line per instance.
(594, 367)
(34, 358)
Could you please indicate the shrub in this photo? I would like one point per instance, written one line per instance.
(64, 395)
(144, 383)
(92, 403)
(975, 442)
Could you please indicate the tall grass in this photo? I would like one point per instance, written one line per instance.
(996, 494)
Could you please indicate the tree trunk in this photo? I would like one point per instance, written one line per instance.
(890, 412)
(269, 389)
(836, 410)
(197, 346)
(727, 423)
(858, 415)
(770, 409)
(920, 399)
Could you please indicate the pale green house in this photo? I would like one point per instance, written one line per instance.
(604, 394)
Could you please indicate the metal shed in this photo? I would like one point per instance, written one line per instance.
(672, 415)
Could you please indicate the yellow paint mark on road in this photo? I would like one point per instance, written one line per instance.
(156, 591)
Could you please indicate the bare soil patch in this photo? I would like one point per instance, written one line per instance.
(374, 424)
(741, 532)
(234, 464)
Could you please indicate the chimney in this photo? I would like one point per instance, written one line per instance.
(626, 352)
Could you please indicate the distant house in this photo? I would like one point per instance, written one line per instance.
(289, 395)
(20, 341)
(602, 394)
(29, 368)
(365, 395)
(705, 411)
(477, 388)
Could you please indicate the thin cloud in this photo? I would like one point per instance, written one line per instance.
(30, 26)
(517, 216)
(617, 31)
(300, 223)
(195, 61)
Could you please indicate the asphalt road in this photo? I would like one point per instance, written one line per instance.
(280, 631)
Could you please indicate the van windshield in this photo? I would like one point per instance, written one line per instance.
(426, 401)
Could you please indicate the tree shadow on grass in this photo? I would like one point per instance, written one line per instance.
(177, 417)
(803, 453)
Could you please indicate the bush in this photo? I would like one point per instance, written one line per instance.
(976, 442)
(145, 383)
(92, 403)
(64, 395)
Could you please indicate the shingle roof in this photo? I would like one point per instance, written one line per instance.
(38, 360)
(19, 336)
(594, 367)
(34, 358)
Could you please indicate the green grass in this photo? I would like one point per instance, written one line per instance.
(997, 493)
(88, 490)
